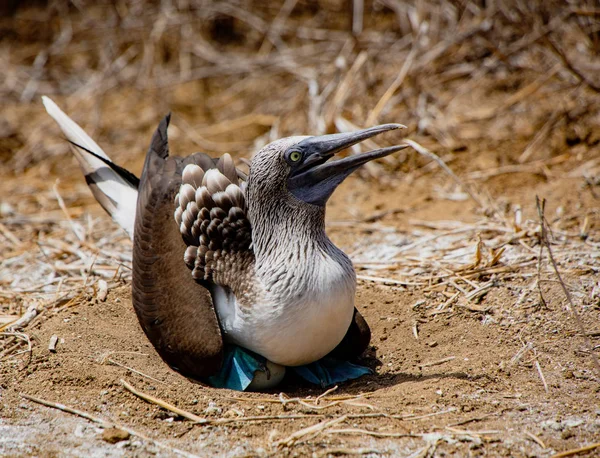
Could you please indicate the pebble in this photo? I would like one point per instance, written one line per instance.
(102, 290)
(79, 431)
(114, 435)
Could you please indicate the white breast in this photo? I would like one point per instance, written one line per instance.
(296, 328)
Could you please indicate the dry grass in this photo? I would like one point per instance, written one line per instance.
(238, 74)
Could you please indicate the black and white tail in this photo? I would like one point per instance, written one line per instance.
(113, 187)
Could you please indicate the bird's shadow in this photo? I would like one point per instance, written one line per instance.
(296, 387)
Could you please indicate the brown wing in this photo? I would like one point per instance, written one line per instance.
(176, 313)
(210, 210)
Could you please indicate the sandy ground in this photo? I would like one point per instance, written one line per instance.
(468, 360)
(479, 402)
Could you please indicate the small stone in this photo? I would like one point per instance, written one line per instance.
(114, 435)
(52, 344)
(552, 424)
(433, 344)
(123, 444)
(569, 374)
(102, 290)
(212, 409)
(79, 431)
(573, 422)
(567, 434)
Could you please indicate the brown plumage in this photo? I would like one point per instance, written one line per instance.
(174, 311)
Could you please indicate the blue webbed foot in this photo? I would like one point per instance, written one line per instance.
(328, 371)
(241, 367)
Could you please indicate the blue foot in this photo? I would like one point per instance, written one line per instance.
(328, 371)
(237, 371)
(240, 366)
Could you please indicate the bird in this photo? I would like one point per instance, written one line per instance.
(234, 279)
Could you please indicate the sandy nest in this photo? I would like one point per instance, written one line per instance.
(476, 250)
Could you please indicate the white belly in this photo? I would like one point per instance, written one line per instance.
(298, 332)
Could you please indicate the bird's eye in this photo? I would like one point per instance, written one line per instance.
(295, 156)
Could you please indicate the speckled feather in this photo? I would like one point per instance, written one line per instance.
(210, 209)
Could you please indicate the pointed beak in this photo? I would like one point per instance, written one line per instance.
(314, 179)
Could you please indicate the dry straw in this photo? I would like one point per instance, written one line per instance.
(431, 66)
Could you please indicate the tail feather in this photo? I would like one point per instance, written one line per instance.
(113, 187)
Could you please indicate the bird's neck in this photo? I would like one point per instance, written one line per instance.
(287, 228)
(291, 242)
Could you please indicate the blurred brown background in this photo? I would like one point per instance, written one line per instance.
(468, 317)
(461, 74)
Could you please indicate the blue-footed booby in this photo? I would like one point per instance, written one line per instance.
(234, 277)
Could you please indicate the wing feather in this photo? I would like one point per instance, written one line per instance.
(210, 210)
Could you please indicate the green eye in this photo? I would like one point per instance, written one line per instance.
(295, 156)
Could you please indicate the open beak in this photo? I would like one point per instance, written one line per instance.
(315, 179)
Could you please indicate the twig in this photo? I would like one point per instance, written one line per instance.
(422, 452)
(425, 152)
(131, 369)
(63, 207)
(539, 369)
(382, 214)
(18, 335)
(535, 439)
(358, 9)
(412, 417)
(540, 204)
(276, 25)
(205, 421)
(577, 451)
(325, 393)
(348, 451)
(524, 349)
(107, 424)
(529, 167)
(567, 63)
(310, 430)
(164, 404)
(25, 319)
(387, 95)
(540, 136)
(353, 401)
(344, 88)
(539, 276)
(437, 363)
(366, 432)
(415, 329)
(472, 433)
(470, 420)
(388, 280)
(528, 90)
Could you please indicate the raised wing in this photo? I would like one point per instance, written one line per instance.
(175, 312)
(210, 210)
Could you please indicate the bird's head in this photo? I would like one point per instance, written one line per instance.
(296, 169)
